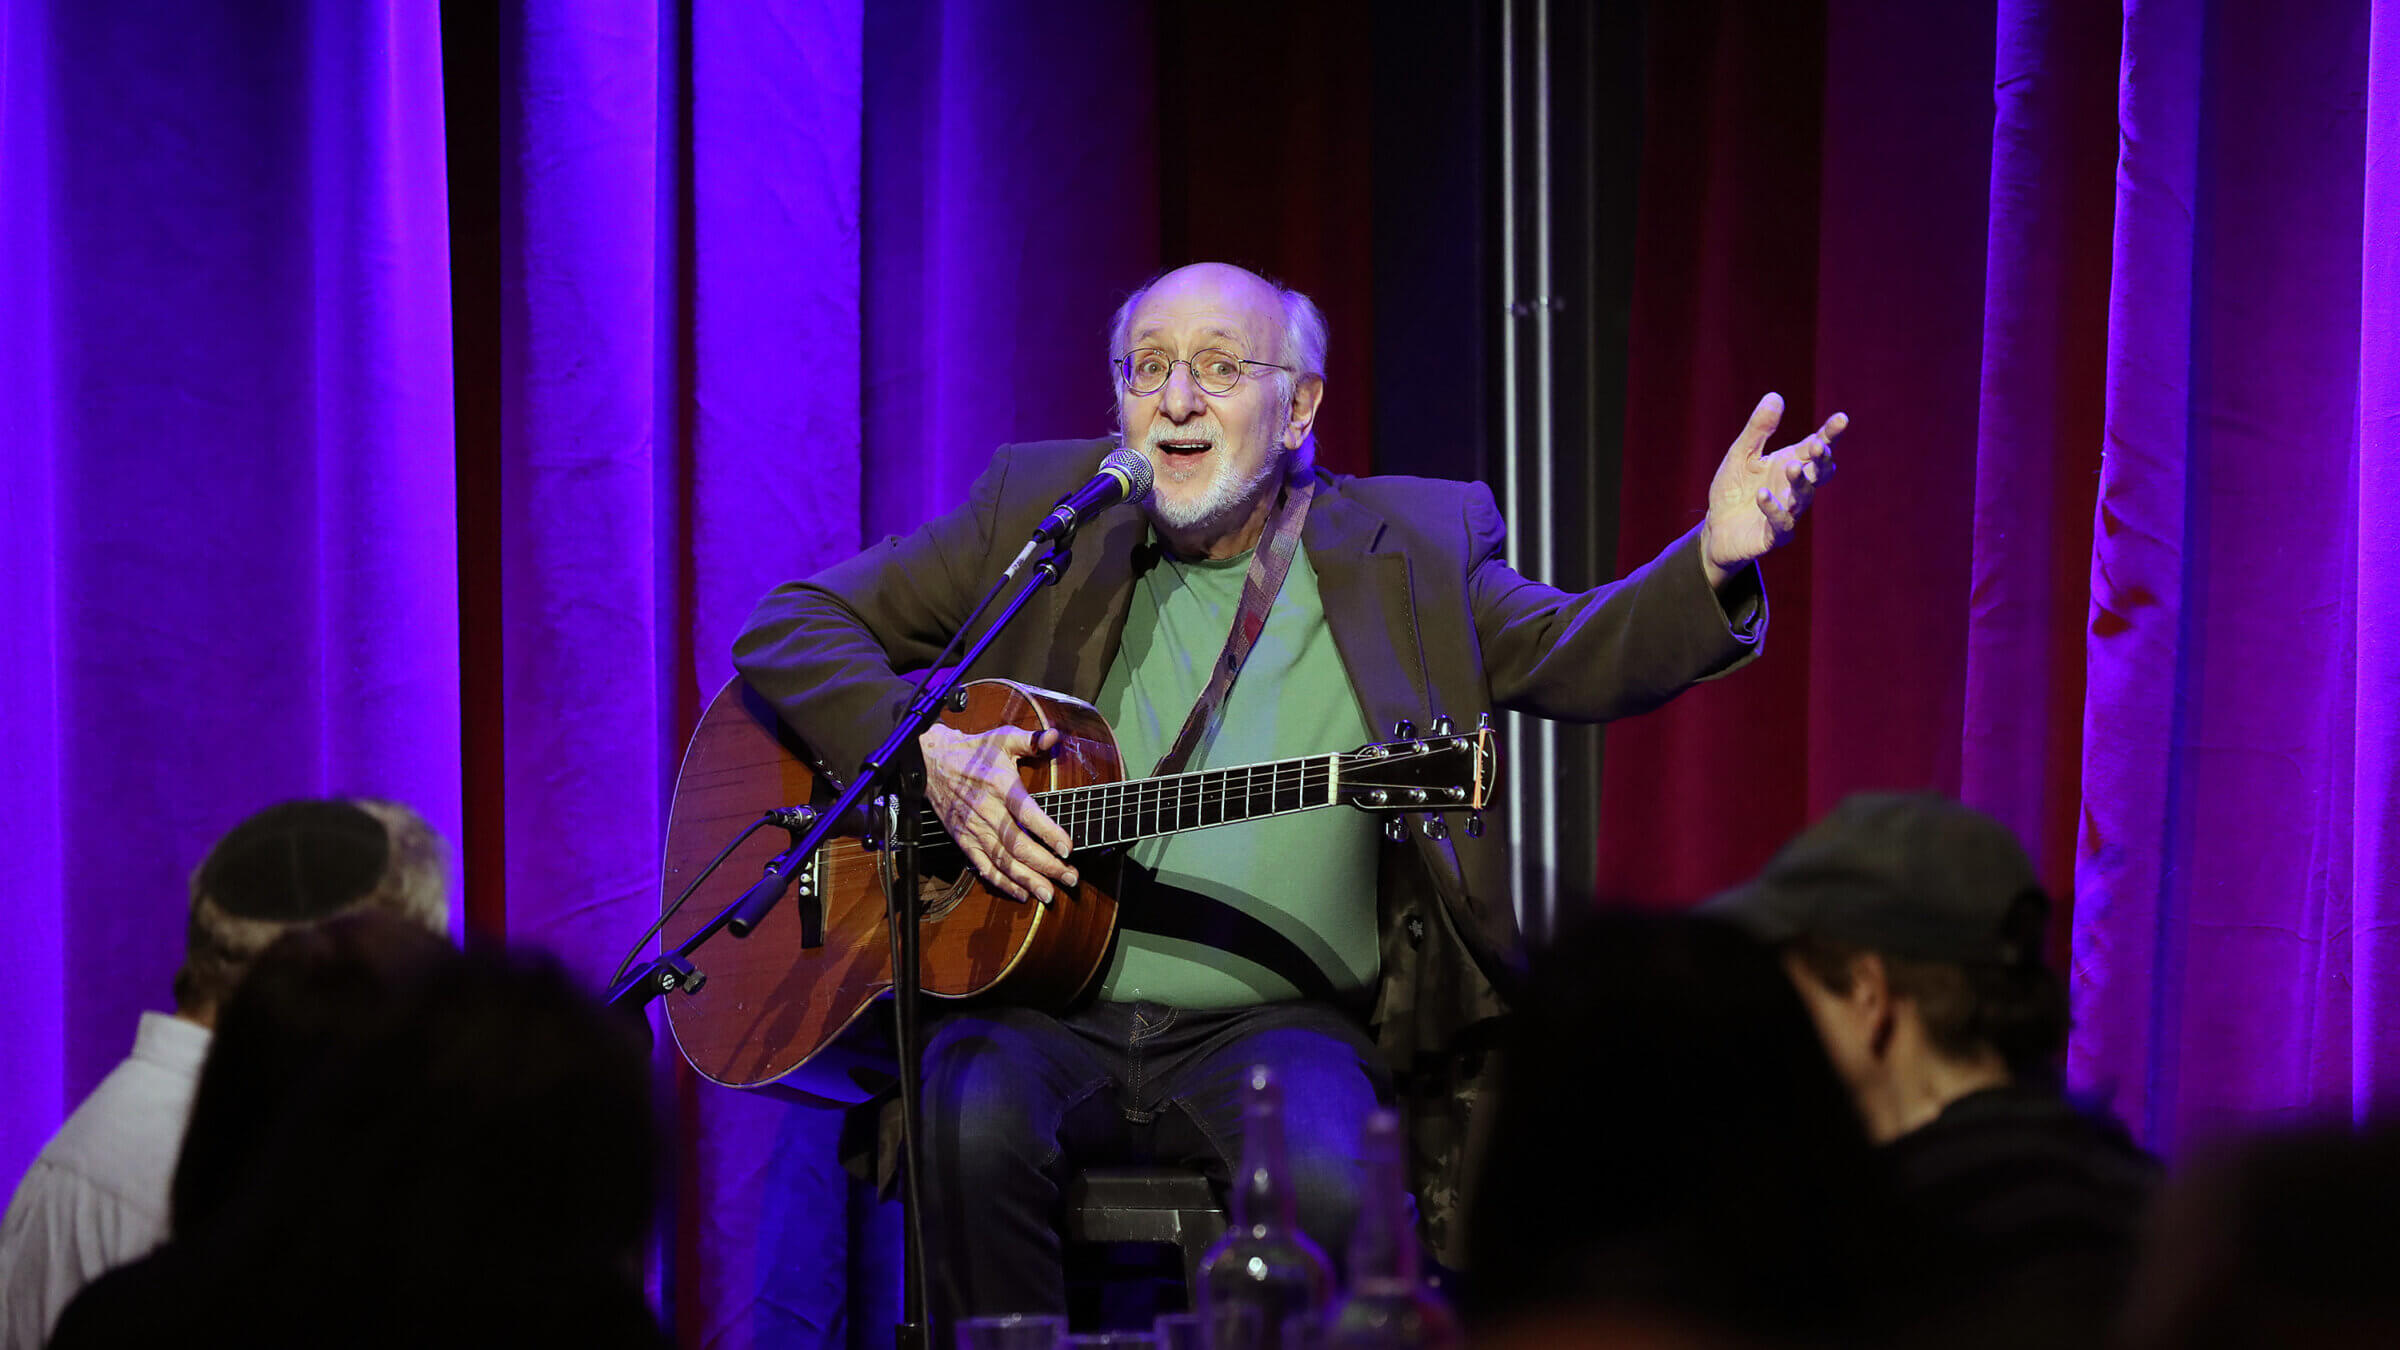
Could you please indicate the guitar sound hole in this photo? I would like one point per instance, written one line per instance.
(936, 898)
(943, 878)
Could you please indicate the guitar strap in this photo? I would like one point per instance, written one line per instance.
(1276, 546)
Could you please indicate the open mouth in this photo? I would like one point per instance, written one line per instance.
(1184, 451)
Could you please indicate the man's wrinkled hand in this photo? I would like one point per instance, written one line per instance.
(1756, 499)
(971, 779)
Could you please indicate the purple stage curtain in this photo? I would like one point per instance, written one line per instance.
(233, 570)
(2038, 419)
(2374, 824)
(776, 278)
(680, 392)
(666, 337)
(2233, 947)
(1012, 203)
(231, 557)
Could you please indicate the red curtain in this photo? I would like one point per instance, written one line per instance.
(1830, 208)
(1724, 309)
(1271, 170)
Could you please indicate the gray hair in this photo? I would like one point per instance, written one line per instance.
(237, 910)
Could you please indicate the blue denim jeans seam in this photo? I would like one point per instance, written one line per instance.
(1229, 1157)
(1138, 1064)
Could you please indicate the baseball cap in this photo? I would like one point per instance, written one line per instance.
(1912, 875)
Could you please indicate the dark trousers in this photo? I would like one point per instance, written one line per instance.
(1016, 1102)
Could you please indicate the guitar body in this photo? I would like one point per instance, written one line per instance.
(769, 1004)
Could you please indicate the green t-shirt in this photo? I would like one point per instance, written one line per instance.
(1270, 909)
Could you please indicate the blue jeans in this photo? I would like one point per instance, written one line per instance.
(1016, 1102)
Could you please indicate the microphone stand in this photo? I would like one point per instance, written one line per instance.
(892, 775)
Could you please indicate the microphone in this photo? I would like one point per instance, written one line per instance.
(1124, 477)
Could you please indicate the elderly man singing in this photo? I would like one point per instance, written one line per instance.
(1359, 968)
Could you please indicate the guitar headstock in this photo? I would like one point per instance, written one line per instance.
(1443, 771)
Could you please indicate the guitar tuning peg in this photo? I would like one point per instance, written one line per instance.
(1475, 825)
(1443, 726)
(1436, 827)
(1395, 828)
(1404, 730)
(1483, 721)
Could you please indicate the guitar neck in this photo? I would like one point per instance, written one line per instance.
(1445, 772)
(1103, 814)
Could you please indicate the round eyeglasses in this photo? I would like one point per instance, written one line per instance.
(1216, 372)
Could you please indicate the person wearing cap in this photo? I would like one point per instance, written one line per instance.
(97, 1194)
(1914, 929)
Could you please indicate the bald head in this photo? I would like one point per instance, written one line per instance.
(1219, 373)
(1290, 329)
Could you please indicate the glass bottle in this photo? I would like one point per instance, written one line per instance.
(1264, 1272)
(1389, 1304)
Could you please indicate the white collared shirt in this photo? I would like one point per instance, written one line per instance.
(96, 1196)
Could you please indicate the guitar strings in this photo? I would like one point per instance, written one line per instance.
(1146, 803)
(1190, 798)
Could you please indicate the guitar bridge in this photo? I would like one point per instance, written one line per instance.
(808, 896)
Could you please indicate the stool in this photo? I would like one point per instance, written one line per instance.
(1170, 1205)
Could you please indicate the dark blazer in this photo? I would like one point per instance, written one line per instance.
(1428, 620)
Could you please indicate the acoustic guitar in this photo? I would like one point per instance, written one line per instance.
(770, 1005)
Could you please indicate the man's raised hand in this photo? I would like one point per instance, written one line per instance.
(971, 778)
(1756, 499)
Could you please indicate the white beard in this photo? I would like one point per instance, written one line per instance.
(1229, 493)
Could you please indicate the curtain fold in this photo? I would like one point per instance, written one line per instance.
(581, 443)
(767, 281)
(2218, 922)
(2375, 782)
(2038, 420)
(680, 206)
(33, 1079)
(232, 558)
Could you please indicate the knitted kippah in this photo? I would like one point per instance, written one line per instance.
(296, 861)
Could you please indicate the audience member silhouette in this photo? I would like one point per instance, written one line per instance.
(478, 1168)
(2279, 1242)
(1913, 928)
(97, 1196)
(1672, 1158)
(313, 1000)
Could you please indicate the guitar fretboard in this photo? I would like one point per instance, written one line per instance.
(1103, 814)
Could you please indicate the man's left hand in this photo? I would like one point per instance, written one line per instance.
(1756, 499)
